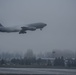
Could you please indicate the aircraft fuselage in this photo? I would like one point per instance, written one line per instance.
(23, 29)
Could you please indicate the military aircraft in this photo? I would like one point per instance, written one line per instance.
(24, 28)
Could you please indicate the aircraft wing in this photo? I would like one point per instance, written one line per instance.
(24, 29)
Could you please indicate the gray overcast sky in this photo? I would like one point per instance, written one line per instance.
(60, 16)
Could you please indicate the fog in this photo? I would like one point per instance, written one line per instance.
(60, 32)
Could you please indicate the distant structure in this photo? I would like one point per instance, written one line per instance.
(53, 54)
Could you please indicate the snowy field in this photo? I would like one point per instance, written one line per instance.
(34, 71)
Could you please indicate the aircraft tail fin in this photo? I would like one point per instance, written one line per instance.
(1, 25)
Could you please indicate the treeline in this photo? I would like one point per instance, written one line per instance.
(30, 58)
(54, 62)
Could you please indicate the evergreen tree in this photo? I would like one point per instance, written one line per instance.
(2, 62)
(62, 62)
(69, 63)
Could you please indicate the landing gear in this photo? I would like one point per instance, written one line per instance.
(22, 32)
(40, 28)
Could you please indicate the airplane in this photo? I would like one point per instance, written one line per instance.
(23, 29)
